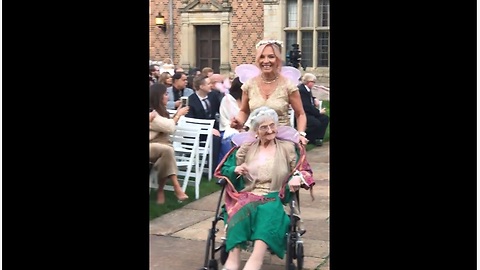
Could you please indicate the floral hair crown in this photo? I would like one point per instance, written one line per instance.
(270, 41)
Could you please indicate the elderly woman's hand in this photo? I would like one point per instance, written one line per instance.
(303, 140)
(294, 183)
(241, 169)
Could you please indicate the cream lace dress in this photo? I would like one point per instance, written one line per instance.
(278, 100)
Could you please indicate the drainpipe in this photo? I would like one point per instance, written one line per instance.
(170, 10)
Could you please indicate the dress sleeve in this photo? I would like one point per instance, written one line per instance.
(162, 124)
(247, 86)
(242, 152)
(291, 88)
(291, 154)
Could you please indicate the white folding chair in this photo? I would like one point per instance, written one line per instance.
(204, 127)
(185, 144)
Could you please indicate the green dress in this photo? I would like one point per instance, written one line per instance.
(258, 213)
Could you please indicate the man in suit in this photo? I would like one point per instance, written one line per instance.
(317, 120)
(205, 105)
(177, 90)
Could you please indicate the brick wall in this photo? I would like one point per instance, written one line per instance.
(247, 30)
(159, 40)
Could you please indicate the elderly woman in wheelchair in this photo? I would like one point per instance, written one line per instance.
(262, 175)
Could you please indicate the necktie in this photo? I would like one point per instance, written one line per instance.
(311, 97)
(207, 110)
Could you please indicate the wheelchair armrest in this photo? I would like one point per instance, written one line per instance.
(221, 182)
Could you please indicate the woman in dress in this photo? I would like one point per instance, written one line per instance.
(271, 88)
(229, 107)
(258, 173)
(161, 149)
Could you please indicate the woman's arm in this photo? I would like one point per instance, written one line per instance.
(239, 120)
(296, 103)
(228, 170)
(180, 112)
(162, 124)
(297, 106)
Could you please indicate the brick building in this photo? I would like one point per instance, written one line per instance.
(222, 33)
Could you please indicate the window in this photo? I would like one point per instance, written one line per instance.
(308, 24)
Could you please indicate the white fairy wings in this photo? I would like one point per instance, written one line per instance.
(248, 71)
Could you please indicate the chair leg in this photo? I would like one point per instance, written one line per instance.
(197, 189)
(210, 162)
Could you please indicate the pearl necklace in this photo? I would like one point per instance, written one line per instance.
(269, 82)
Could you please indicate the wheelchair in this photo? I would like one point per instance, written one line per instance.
(293, 238)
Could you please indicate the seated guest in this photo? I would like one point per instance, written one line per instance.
(229, 107)
(192, 73)
(205, 105)
(154, 73)
(317, 120)
(178, 69)
(161, 149)
(216, 82)
(207, 71)
(177, 90)
(259, 185)
(165, 78)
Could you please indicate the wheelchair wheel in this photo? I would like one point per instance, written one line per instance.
(212, 265)
(290, 254)
(223, 253)
(299, 256)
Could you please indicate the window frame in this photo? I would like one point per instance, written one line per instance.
(315, 30)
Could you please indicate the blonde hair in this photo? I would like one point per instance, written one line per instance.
(276, 50)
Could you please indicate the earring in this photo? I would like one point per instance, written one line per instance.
(256, 136)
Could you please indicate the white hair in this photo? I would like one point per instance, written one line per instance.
(308, 77)
(262, 114)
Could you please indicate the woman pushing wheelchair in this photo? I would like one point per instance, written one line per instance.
(264, 169)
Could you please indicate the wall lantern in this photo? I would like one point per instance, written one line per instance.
(160, 22)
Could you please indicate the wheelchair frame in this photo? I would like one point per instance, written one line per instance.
(294, 250)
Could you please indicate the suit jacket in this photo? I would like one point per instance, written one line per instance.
(307, 101)
(171, 102)
(197, 111)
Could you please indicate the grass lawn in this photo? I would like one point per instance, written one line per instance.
(206, 187)
(171, 202)
(326, 104)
